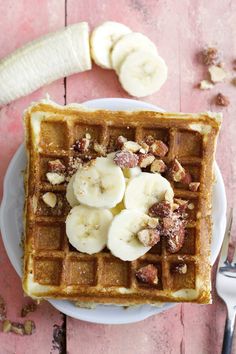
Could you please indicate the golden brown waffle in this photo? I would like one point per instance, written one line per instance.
(54, 269)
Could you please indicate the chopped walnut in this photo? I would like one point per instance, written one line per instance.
(56, 166)
(206, 85)
(144, 148)
(50, 199)
(177, 172)
(149, 140)
(211, 56)
(175, 237)
(17, 328)
(100, 149)
(3, 309)
(54, 178)
(82, 145)
(158, 166)
(149, 237)
(158, 148)
(120, 141)
(193, 186)
(180, 268)
(145, 160)
(126, 159)
(31, 307)
(161, 209)
(148, 274)
(222, 100)
(29, 327)
(217, 73)
(181, 205)
(131, 146)
(6, 326)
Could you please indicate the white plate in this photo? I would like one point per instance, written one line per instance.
(11, 227)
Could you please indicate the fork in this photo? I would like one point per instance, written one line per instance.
(226, 284)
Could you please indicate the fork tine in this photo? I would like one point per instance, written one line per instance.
(227, 251)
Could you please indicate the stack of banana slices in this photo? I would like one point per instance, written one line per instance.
(110, 205)
(132, 55)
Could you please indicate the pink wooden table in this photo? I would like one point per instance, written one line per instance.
(180, 29)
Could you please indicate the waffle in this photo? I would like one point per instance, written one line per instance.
(54, 269)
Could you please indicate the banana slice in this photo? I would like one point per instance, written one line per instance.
(87, 228)
(122, 236)
(131, 172)
(100, 184)
(128, 44)
(142, 73)
(145, 190)
(70, 195)
(102, 40)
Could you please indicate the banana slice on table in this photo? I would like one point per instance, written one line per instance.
(122, 236)
(70, 195)
(101, 184)
(87, 228)
(102, 40)
(128, 44)
(145, 190)
(142, 73)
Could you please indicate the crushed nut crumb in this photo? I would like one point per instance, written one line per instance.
(180, 268)
(31, 307)
(222, 100)
(149, 237)
(211, 56)
(217, 73)
(194, 186)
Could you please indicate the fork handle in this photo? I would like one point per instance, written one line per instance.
(229, 331)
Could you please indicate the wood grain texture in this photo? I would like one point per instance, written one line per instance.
(180, 29)
(22, 22)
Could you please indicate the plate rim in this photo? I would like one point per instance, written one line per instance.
(86, 313)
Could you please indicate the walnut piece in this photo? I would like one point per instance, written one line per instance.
(177, 172)
(145, 160)
(149, 237)
(56, 166)
(180, 268)
(126, 159)
(148, 274)
(206, 85)
(82, 145)
(158, 166)
(222, 100)
(211, 56)
(144, 148)
(175, 237)
(149, 140)
(217, 73)
(120, 141)
(31, 307)
(29, 327)
(6, 326)
(50, 199)
(158, 148)
(131, 146)
(17, 328)
(193, 186)
(55, 178)
(161, 209)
